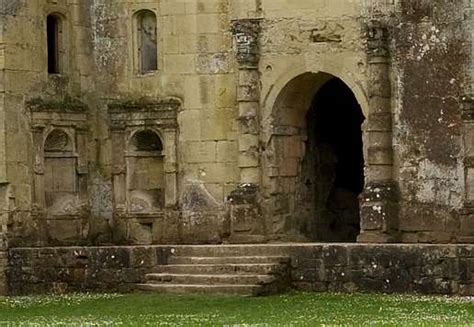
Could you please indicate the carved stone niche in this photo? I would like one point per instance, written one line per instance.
(145, 172)
(60, 167)
(144, 138)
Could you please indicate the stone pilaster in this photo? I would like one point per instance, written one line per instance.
(246, 33)
(39, 201)
(3, 264)
(469, 26)
(247, 225)
(171, 168)
(4, 218)
(379, 202)
(466, 234)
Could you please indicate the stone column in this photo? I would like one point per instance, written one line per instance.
(3, 264)
(171, 168)
(82, 168)
(466, 234)
(246, 222)
(4, 217)
(119, 169)
(39, 202)
(119, 175)
(246, 33)
(379, 201)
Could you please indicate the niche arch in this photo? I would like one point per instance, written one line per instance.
(146, 140)
(58, 140)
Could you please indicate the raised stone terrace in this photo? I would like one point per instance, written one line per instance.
(244, 269)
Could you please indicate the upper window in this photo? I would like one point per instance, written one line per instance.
(54, 32)
(147, 47)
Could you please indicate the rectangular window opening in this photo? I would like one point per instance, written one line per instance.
(53, 44)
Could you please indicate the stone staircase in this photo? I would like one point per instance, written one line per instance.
(219, 270)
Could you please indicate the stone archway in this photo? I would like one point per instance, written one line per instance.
(314, 162)
(332, 169)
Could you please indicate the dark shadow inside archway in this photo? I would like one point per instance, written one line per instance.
(333, 164)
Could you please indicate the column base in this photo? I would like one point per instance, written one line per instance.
(247, 239)
(466, 230)
(465, 240)
(3, 266)
(246, 220)
(377, 237)
(379, 213)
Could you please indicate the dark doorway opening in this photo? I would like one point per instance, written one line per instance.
(333, 166)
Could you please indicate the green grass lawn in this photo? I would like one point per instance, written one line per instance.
(293, 309)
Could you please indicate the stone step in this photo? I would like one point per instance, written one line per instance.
(230, 250)
(228, 260)
(231, 279)
(226, 289)
(212, 269)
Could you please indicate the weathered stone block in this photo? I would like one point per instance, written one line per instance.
(142, 257)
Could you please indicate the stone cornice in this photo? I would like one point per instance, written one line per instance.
(144, 105)
(65, 105)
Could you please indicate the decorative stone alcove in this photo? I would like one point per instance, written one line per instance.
(145, 174)
(60, 200)
(144, 138)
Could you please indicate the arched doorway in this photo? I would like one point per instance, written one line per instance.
(333, 163)
(317, 160)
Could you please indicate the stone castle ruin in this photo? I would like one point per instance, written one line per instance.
(145, 124)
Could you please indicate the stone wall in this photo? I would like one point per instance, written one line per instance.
(430, 61)
(99, 69)
(240, 77)
(430, 269)
(81, 268)
(384, 268)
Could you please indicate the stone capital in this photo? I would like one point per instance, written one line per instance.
(377, 34)
(246, 33)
